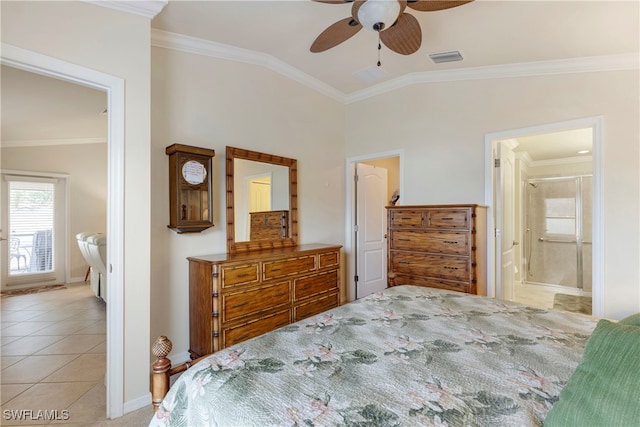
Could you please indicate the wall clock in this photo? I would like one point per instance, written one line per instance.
(189, 188)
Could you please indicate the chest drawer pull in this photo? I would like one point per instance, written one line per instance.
(450, 242)
(450, 268)
(241, 338)
(447, 218)
(242, 304)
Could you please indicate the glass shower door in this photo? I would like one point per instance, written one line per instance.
(553, 234)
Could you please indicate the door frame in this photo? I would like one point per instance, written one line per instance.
(596, 123)
(114, 88)
(350, 201)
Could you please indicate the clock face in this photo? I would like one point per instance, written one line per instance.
(194, 172)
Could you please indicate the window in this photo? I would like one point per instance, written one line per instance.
(31, 225)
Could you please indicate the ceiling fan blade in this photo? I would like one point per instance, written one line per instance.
(335, 34)
(434, 5)
(403, 37)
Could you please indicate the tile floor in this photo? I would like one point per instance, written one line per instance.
(53, 348)
(541, 296)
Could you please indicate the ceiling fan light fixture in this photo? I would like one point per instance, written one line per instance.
(377, 15)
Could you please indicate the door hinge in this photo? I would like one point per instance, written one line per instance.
(356, 228)
(355, 278)
(496, 163)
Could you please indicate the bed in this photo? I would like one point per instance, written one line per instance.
(405, 356)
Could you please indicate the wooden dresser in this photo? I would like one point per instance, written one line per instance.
(269, 225)
(236, 297)
(440, 246)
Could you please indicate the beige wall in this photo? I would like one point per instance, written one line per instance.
(442, 126)
(212, 103)
(86, 165)
(115, 43)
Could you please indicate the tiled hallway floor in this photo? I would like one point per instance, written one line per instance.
(53, 348)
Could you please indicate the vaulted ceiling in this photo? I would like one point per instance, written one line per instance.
(495, 38)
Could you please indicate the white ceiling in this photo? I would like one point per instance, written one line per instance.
(491, 36)
(487, 33)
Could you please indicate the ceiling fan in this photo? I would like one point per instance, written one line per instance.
(398, 30)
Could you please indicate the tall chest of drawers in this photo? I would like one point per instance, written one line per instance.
(440, 246)
(236, 297)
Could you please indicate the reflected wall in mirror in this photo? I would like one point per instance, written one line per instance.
(261, 201)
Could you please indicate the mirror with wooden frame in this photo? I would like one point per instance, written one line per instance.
(262, 201)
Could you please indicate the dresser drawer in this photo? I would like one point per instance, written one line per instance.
(240, 304)
(239, 275)
(442, 242)
(290, 266)
(401, 279)
(328, 259)
(408, 218)
(448, 218)
(444, 267)
(312, 285)
(252, 329)
(315, 306)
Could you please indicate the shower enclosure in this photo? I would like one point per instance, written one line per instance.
(557, 232)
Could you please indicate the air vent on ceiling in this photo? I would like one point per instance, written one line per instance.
(370, 74)
(446, 57)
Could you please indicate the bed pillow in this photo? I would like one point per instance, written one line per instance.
(633, 320)
(604, 390)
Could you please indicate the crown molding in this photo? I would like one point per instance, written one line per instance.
(147, 8)
(174, 41)
(529, 162)
(592, 64)
(47, 142)
(168, 40)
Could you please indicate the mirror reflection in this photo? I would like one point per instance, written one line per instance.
(261, 200)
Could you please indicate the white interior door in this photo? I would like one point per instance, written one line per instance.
(371, 226)
(33, 224)
(505, 232)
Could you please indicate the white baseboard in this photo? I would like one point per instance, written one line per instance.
(145, 400)
(137, 403)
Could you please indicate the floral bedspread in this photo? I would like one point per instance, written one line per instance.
(403, 357)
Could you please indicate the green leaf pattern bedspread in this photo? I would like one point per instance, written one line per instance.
(403, 357)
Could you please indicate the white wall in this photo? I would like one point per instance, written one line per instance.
(117, 44)
(212, 103)
(86, 165)
(441, 127)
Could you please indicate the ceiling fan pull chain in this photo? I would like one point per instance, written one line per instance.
(379, 49)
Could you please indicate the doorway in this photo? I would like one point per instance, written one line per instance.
(569, 181)
(378, 178)
(114, 89)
